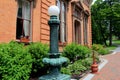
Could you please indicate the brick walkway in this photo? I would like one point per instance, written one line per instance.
(111, 71)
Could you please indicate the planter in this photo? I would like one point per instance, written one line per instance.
(24, 40)
(94, 68)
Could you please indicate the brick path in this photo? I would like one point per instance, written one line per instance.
(111, 71)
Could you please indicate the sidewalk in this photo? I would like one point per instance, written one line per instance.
(111, 70)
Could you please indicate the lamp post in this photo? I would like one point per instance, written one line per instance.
(54, 60)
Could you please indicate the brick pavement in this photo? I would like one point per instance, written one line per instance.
(111, 71)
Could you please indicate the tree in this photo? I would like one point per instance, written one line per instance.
(100, 31)
(105, 16)
(116, 19)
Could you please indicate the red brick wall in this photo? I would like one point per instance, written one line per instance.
(40, 17)
(40, 21)
(8, 16)
(8, 12)
(36, 21)
(44, 21)
(89, 25)
(70, 25)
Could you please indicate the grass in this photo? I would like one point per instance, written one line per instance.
(114, 45)
(116, 42)
(111, 47)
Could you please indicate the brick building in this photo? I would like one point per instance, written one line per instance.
(28, 20)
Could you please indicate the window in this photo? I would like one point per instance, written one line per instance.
(77, 32)
(23, 19)
(77, 13)
(87, 2)
(85, 29)
(62, 29)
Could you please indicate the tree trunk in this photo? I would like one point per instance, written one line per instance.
(110, 34)
(101, 31)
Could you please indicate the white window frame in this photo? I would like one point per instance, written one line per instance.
(62, 34)
(27, 29)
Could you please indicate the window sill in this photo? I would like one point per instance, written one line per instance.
(23, 40)
(62, 44)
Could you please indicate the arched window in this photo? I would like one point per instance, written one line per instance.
(87, 2)
(62, 29)
(77, 31)
(23, 19)
(85, 29)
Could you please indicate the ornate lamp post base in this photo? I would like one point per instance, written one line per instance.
(54, 73)
(55, 77)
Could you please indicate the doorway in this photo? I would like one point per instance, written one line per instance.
(77, 32)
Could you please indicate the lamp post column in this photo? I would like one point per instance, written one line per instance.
(54, 23)
(54, 60)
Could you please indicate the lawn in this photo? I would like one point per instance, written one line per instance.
(116, 42)
(114, 45)
(110, 48)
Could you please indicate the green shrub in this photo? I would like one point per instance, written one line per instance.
(84, 52)
(74, 52)
(97, 47)
(38, 51)
(87, 62)
(15, 62)
(66, 70)
(70, 51)
(100, 49)
(103, 51)
(75, 68)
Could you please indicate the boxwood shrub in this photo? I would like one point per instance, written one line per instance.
(38, 51)
(15, 62)
(80, 58)
(75, 51)
(77, 67)
(100, 49)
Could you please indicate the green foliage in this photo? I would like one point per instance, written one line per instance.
(97, 47)
(110, 48)
(80, 58)
(70, 51)
(38, 51)
(105, 20)
(87, 62)
(77, 67)
(99, 23)
(66, 70)
(103, 51)
(100, 49)
(15, 62)
(84, 52)
(74, 51)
